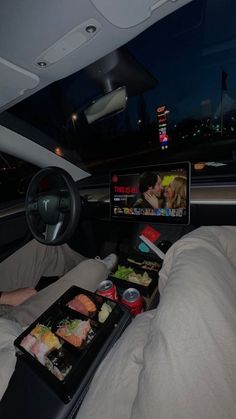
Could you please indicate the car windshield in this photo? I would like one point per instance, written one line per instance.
(179, 97)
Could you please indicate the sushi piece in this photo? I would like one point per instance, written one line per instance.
(89, 304)
(28, 341)
(72, 339)
(39, 350)
(50, 340)
(44, 334)
(83, 304)
(38, 330)
(76, 305)
(40, 342)
(56, 363)
(75, 331)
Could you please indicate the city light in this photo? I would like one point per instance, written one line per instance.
(58, 151)
(74, 118)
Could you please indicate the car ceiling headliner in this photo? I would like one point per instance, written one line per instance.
(29, 28)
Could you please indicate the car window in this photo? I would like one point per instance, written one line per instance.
(180, 80)
(15, 175)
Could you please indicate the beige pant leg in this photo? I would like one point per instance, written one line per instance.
(86, 275)
(25, 267)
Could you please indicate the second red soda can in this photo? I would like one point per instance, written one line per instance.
(132, 299)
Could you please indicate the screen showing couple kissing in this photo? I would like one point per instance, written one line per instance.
(158, 193)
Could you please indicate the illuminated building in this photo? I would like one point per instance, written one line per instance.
(162, 112)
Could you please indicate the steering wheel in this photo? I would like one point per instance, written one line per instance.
(52, 206)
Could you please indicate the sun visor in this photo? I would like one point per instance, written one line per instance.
(121, 13)
(108, 104)
(14, 81)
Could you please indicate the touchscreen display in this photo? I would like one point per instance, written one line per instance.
(157, 193)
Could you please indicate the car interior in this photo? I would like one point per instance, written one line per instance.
(94, 96)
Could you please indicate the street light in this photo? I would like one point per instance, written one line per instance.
(74, 118)
(58, 151)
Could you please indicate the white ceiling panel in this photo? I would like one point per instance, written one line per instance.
(31, 31)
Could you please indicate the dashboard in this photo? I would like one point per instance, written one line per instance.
(199, 194)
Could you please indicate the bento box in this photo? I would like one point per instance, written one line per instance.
(64, 341)
(136, 272)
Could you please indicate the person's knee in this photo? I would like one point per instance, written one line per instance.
(86, 275)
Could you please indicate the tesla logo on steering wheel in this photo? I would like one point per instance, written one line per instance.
(46, 201)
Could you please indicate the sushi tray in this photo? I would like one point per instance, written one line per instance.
(136, 272)
(64, 343)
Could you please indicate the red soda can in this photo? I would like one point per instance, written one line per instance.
(107, 289)
(132, 299)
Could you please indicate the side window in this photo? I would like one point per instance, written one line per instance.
(15, 175)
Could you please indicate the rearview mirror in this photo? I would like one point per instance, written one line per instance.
(111, 103)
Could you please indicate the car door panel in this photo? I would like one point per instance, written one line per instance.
(14, 230)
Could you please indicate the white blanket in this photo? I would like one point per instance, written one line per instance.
(178, 361)
(9, 331)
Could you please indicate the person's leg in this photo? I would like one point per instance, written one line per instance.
(25, 267)
(85, 275)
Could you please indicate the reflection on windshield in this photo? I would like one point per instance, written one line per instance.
(190, 113)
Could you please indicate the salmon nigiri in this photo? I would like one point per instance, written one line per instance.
(83, 304)
(75, 331)
(89, 304)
